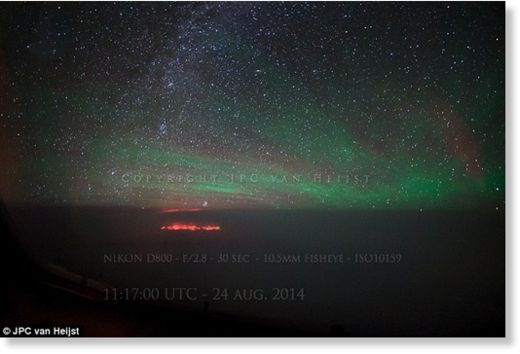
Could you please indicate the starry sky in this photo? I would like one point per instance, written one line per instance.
(253, 105)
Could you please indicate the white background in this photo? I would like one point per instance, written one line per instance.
(336, 345)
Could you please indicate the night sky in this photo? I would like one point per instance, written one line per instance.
(253, 105)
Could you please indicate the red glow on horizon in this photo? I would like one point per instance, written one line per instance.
(190, 227)
(211, 228)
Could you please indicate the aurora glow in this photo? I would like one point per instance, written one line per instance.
(407, 97)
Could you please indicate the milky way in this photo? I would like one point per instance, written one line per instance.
(239, 105)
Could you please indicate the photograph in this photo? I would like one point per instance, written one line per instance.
(254, 169)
